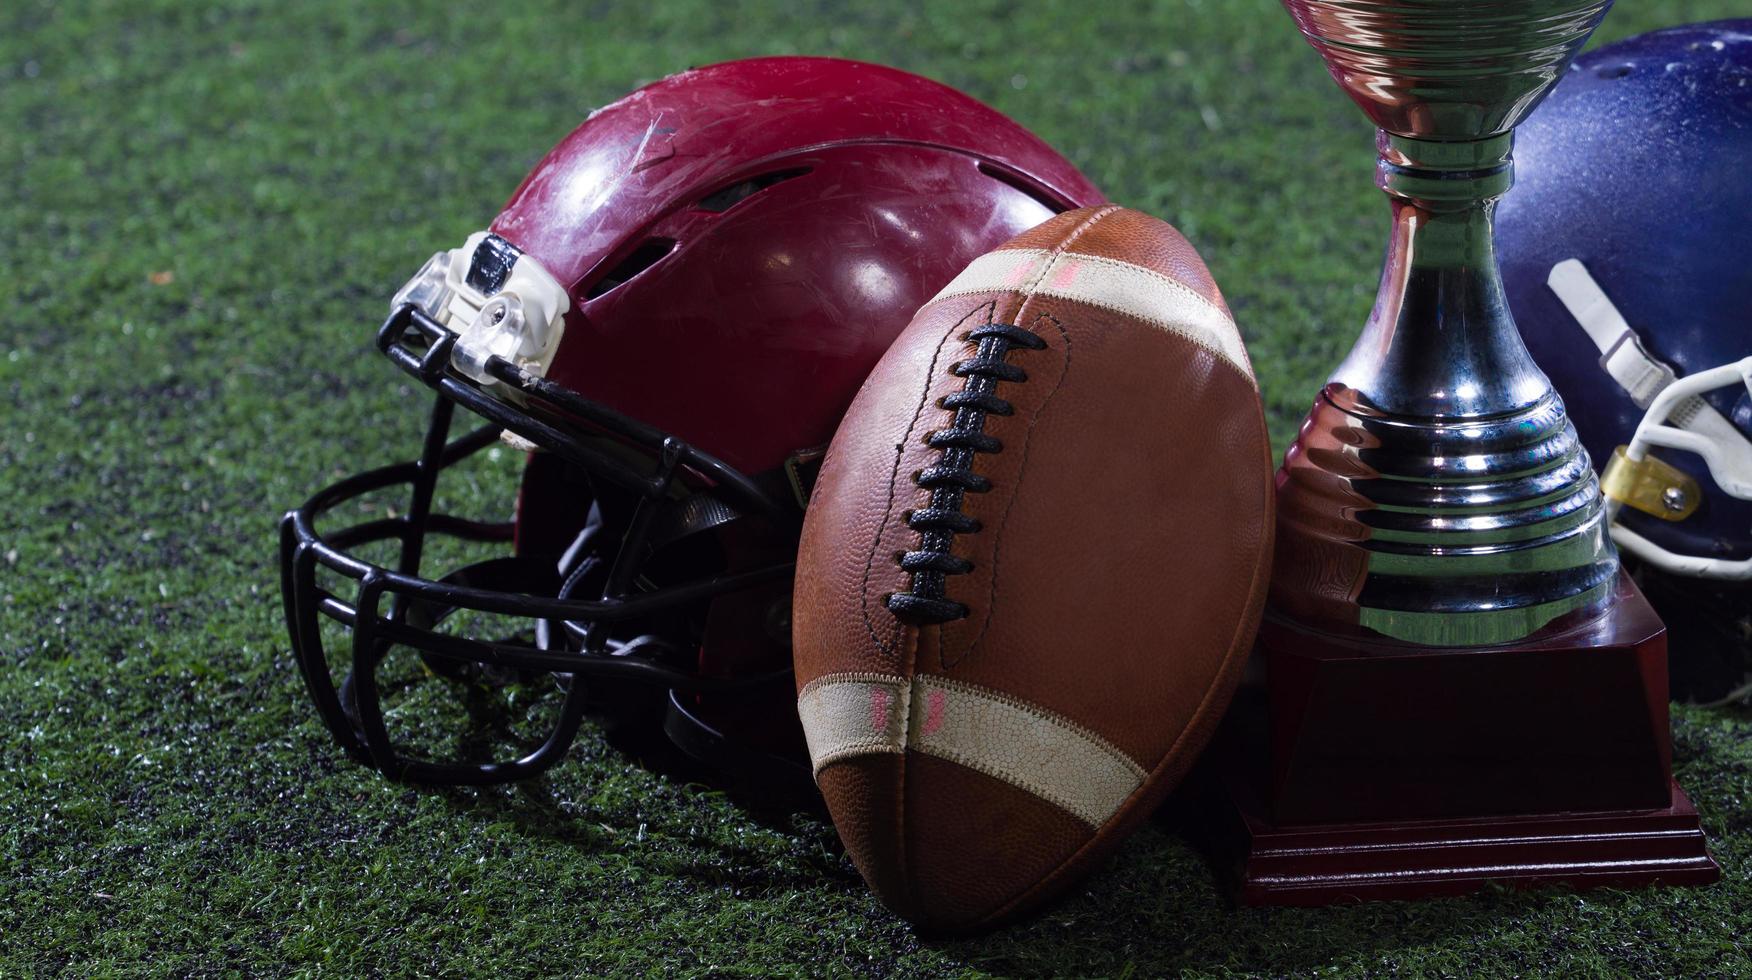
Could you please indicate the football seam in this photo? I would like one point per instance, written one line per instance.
(1238, 359)
(908, 723)
(1034, 787)
(957, 448)
(1010, 504)
(901, 777)
(866, 746)
(1245, 369)
(1025, 294)
(894, 478)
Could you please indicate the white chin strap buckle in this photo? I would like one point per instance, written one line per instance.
(520, 321)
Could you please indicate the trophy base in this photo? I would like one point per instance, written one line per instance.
(1372, 769)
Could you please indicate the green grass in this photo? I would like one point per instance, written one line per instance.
(202, 212)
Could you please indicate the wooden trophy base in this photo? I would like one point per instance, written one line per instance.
(1370, 769)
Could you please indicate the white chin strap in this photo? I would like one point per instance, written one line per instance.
(1677, 417)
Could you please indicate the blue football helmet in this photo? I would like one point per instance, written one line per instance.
(1626, 251)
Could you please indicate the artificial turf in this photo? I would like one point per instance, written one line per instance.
(204, 210)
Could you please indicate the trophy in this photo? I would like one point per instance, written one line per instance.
(1462, 686)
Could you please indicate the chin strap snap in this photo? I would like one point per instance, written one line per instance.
(500, 302)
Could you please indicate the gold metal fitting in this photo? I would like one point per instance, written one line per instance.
(1651, 485)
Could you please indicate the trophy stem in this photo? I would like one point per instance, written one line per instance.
(1437, 493)
(1441, 342)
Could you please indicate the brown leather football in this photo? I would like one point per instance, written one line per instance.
(1032, 567)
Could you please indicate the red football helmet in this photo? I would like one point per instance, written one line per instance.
(671, 314)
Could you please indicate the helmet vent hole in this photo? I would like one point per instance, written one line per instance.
(648, 254)
(1022, 184)
(725, 198)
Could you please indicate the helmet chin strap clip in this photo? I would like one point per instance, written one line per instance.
(1677, 418)
(500, 302)
(521, 322)
(517, 315)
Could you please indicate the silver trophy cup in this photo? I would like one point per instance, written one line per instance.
(1437, 492)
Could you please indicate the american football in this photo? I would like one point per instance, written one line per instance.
(1032, 567)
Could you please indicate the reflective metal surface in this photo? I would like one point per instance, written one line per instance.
(1437, 493)
(1447, 69)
